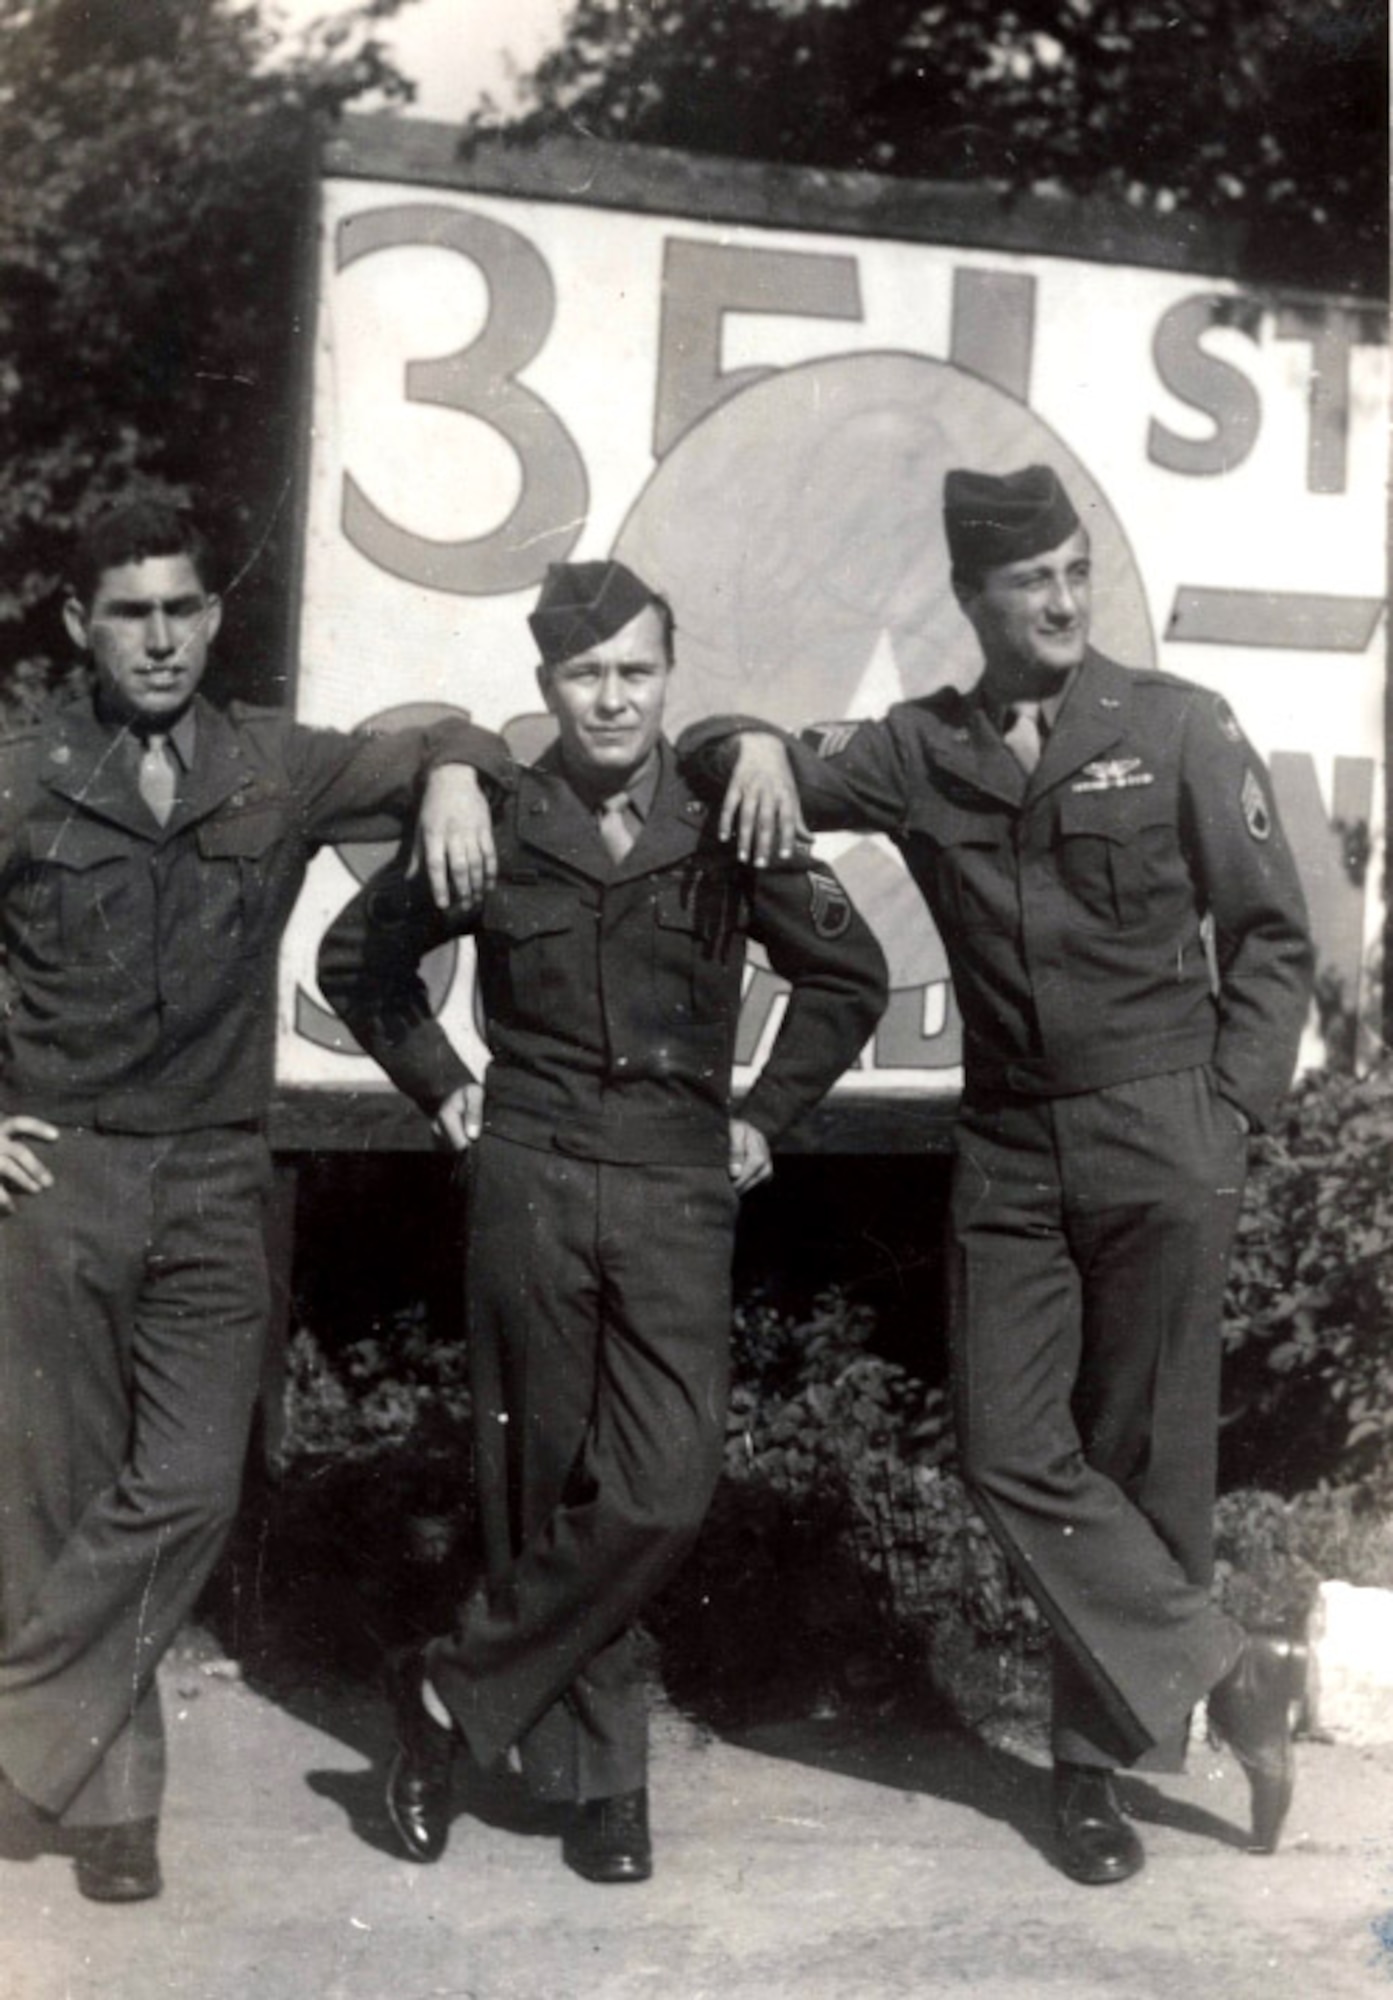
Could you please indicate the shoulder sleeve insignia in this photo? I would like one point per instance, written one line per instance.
(830, 739)
(828, 904)
(1227, 720)
(1257, 814)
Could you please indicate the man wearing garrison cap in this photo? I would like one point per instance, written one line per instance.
(1100, 852)
(605, 1173)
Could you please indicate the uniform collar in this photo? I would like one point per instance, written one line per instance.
(1091, 718)
(639, 792)
(1049, 705)
(553, 819)
(86, 763)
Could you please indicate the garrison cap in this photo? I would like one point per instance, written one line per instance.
(991, 520)
(583, 604)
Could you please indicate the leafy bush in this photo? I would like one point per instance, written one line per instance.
(1309, 1318)
(842, 1547)
(1271, 1554)
(842, 1559)
(814, 1410)
(405, 1390)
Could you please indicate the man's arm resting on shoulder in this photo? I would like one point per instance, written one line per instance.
(820, 943)
(365, 786)
(369, 973)
(776, 786)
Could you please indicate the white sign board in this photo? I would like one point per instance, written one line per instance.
(758, 419)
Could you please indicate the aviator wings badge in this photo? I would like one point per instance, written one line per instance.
(1113, 774)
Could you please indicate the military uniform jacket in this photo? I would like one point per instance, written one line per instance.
(139, 960)
(611, 991)
(1071, 902)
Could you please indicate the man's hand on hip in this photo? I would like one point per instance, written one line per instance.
(21, 1169)
(460, 1119)
(761, 807)
(750, 1163)
(454, 837)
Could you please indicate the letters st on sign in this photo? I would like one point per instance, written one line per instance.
(759, 419)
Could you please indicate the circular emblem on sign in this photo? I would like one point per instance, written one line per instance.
(798, 532)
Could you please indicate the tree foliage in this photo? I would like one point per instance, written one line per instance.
(1308, 1328)
(152, 158)
(1273, 116)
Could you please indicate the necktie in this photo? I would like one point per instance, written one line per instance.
(157, 778)
(1023, 733)
(616, 826)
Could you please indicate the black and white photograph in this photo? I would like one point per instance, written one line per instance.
(696, 1121)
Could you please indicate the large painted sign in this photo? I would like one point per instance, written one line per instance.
(758, 418)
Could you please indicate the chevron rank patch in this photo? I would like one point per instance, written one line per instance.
(830, 739)
(1227, 720)
(828, 904)
(1256, 814)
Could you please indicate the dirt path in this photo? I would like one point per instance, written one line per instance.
(812, 1861)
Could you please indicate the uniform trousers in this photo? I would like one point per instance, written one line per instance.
(598, 1301)
(133, 1311)
(1092, 1236)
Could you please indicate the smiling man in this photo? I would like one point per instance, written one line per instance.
(151, 849)
(1101, 855)
(605, 1170)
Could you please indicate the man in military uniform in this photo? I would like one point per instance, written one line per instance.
(1100, 852)
(151, 848)
(605, 1171)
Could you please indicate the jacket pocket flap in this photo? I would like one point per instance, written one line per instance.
(528, 912)
(78, 843)
(1118, 815)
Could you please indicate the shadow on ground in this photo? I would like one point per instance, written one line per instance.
(774, 1652)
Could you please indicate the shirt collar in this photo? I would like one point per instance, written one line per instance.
(643, 787)
(1049, 705)
(182, 738)
(640, 791)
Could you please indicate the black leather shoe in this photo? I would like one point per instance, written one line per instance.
(608, 1839)
(1250, 1711)
(418, 1784)
(118, 1864)
(1096, 1845)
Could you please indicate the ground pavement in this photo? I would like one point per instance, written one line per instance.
(817, 1860)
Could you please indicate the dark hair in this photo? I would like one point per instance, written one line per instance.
(130, 532)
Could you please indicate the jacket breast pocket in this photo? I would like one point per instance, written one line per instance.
(695, 973)
(529, 938)
(79, 899)
(971, 865)
(237, 852)
(1112, 849)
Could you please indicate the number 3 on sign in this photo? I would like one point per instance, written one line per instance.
(480, 380)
